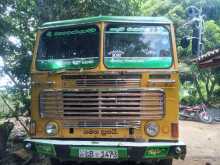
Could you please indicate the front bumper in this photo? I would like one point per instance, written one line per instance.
(137, 151)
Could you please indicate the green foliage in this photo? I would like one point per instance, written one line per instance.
(197, 85)
(200, 86)
(20, 19)
(212, 35)
(49, 10)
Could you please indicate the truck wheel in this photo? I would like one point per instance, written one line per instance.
(165, 162)
(54, 161)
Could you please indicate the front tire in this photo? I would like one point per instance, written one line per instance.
(165, 162)
(55, 161)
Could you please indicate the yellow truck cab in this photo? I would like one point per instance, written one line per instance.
(106, 88)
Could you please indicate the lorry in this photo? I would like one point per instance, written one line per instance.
(106, 88)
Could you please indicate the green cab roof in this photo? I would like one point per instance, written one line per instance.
(89, 20)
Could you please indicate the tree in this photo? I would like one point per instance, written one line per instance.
(19, 20)
(199, 84)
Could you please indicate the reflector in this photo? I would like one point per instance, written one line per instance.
(174, 130)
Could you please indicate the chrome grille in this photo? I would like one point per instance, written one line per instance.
(103, 105)
(127, 80)
(102, 124)
(51, 104)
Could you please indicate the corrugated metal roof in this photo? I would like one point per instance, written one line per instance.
(210, 59)
(134, 19)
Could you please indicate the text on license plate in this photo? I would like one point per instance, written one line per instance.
(102, 154)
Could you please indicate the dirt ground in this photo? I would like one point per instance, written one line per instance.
(203, 143)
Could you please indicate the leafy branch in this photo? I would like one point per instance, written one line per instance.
(13, 111)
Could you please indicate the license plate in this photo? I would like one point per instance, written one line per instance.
(156, 152)
(45, 149)
(100, 154)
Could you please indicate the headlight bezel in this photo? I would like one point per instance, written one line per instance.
(53, 126)
(152, 126)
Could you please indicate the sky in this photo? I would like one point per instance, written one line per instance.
(4, 80)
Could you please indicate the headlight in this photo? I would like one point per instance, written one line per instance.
(51, 128)
(152, 129)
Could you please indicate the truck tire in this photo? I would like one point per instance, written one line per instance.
(165, 162)
(54, 161)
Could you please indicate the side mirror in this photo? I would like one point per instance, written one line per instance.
(185, 41)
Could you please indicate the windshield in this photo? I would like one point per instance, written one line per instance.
(137, 46)
(69, 48)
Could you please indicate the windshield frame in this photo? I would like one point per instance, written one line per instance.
(167, 26)
(63, 28)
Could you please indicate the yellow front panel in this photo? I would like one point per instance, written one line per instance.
(52, 81)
